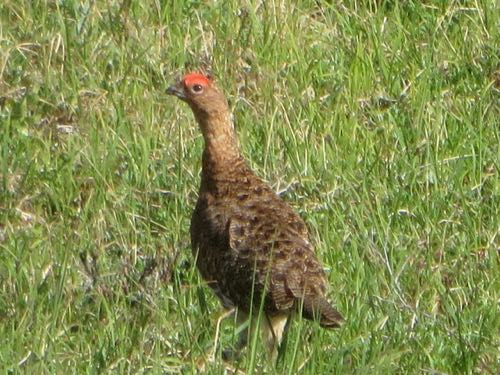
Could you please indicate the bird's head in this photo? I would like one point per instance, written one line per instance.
(201, 93)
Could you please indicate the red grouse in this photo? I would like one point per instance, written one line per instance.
(251, 248)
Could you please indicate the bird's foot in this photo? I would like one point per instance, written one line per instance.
(230, 354)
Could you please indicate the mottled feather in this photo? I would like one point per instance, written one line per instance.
(250, 246)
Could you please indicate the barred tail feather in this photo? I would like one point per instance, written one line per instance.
(321, 311)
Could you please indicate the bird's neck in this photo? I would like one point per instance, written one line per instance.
(221, 145)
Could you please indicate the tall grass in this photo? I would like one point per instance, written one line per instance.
(378, 121)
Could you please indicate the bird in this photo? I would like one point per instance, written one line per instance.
(250, 247)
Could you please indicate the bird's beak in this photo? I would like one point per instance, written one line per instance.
(177, 90)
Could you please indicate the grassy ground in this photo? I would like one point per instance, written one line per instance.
(378, 119)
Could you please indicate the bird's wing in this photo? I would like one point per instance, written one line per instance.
(273, 240)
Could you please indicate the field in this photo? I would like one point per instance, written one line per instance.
(377, 120)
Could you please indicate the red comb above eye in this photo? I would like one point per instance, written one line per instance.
(196, 78)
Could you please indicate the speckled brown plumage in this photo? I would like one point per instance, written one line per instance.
(246, 240)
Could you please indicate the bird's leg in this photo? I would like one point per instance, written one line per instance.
(283, 345)
(217, 328)
(230, 353)
(272, 328)
(243, 336)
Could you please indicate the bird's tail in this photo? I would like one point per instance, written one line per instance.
(322, 311)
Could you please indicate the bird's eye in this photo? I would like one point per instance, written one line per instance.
(197, 88)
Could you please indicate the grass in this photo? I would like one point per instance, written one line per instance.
(378, 119)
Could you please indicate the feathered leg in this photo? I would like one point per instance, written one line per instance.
(230, 353)
(272, 328)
